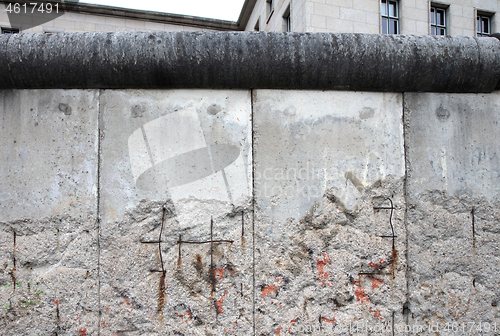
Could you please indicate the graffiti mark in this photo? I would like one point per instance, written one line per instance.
(377, 313)
(268, 290)
(324, 319)
(377, 266)
(278, 331)
(323, 276)
(219, 272)
(186, 316)
(83, 331)
(272, 289)
(376, 283)
(218, 304)
(359, 291)
(292, 323)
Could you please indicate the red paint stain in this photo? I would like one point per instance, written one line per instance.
(218, 304)
(107, 309)
(377, 266)
(185, 317)
(376, 313)
(57, 303)
(78, 317)
(279, 330)
(268, 290)
(83, 332)
(322, 275)
(126, 301)
(324, 319)
(376, 283)
(219, 272)
(360, 292)
(292, 322)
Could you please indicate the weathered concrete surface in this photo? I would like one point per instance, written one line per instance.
(323, 161)
(173, 162)
(48, 211)
(245, 60)
(452, 146)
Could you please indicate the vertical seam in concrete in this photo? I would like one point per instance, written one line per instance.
(99, 116)
(405, 192)
(253, 208)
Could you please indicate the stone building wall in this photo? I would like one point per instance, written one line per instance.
(364, 16)
(96, 18)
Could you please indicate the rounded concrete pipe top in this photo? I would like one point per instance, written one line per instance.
(248, 60)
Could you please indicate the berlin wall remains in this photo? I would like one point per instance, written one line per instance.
(210, 184)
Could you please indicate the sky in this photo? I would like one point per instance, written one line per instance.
(215, 9)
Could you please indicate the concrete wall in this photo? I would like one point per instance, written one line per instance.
(146, 212)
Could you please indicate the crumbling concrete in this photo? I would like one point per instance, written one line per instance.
(329, 252)
(176, 212)
(48, 228)
(213, 212)
(453, 197)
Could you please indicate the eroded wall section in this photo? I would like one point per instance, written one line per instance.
(48, 212)
(329, 218)
(213, 212)
(453, 152)
(176, 229)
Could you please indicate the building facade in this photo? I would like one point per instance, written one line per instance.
(419, 17)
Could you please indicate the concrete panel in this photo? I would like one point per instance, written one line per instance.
(453, 192)
(48, 211)
(176, 168)
(328, 166)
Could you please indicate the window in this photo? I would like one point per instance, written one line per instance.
(390, 16)
(257, 26)
(270, 7)
(10, 31)
(483, 25)
(270, 10)
(287, 21)
(438, 20)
